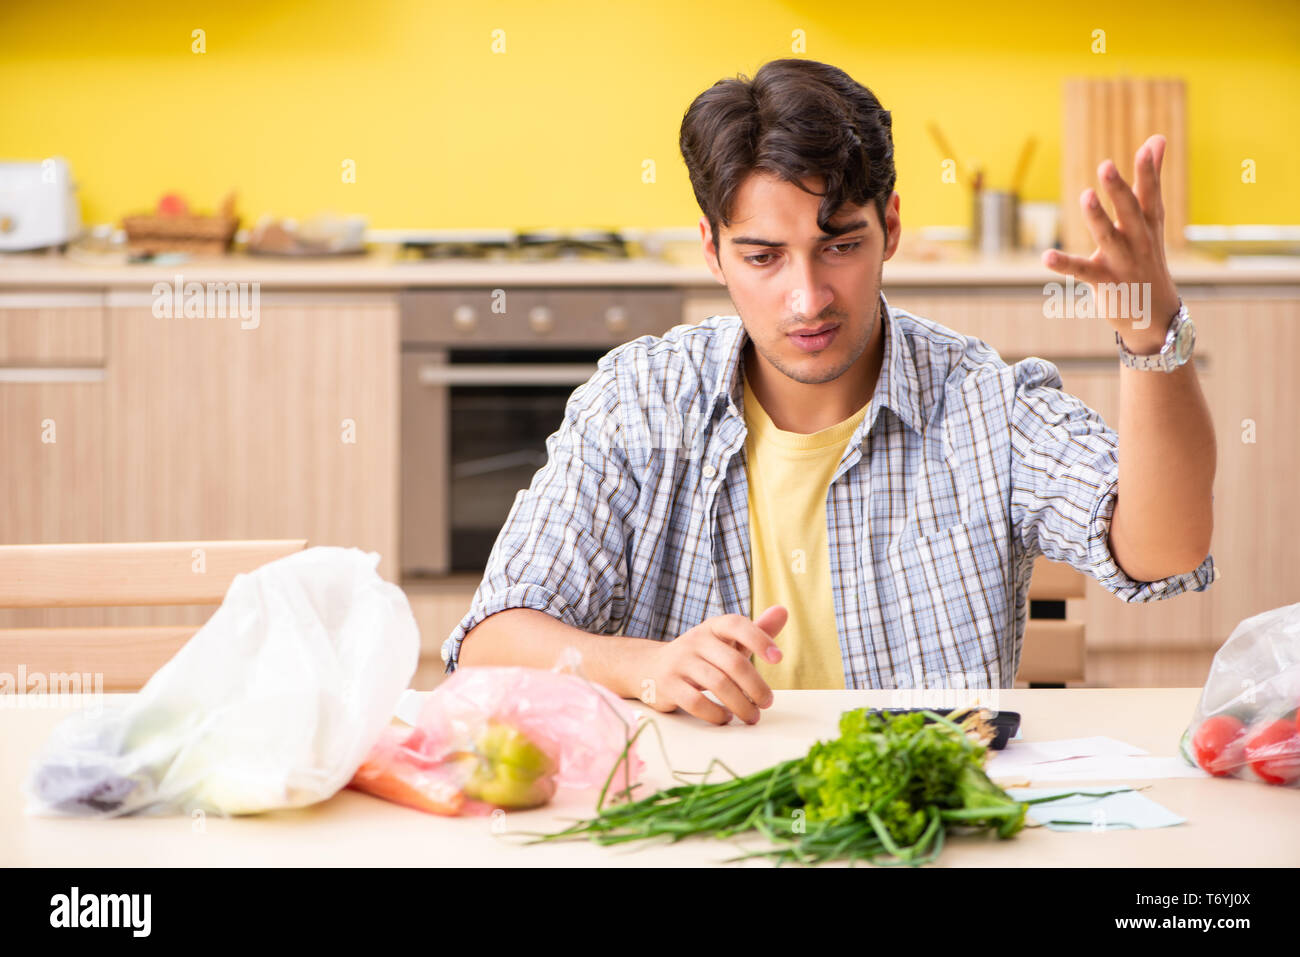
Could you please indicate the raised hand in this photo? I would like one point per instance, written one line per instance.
(1131, 251)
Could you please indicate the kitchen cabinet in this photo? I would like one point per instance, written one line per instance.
(51, 416)
(196, 428)
(51, 425)
(285, 430)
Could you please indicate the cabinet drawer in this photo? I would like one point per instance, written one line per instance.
(51, 328)
(560, 318)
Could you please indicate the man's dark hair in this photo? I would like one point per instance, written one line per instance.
(795, 119)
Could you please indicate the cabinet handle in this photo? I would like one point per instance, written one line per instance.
(556, 373)
(52, 374)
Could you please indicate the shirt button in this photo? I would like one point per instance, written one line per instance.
(709, 471)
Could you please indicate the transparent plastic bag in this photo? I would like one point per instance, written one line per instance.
(504, 737)
(273, 703)
(1246, 723)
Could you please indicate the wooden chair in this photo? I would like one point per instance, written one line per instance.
(117, 575)
(1053, 651)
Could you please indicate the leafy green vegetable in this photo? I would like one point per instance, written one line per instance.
(885, 791)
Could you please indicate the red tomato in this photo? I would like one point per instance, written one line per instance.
(173, 204)
(1273, 751)
(1217, 744)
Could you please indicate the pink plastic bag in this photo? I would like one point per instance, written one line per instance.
(492, 737)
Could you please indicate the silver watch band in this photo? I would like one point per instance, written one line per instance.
(1175, 352)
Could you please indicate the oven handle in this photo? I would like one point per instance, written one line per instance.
(506, 375)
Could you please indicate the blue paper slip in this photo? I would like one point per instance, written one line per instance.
(1127, 810)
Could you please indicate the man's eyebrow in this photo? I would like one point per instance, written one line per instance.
(838, 231)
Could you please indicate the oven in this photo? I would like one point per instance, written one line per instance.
(486, 376)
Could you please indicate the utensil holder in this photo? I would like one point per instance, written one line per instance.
(995, 222)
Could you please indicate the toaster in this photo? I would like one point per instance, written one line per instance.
(38, 205)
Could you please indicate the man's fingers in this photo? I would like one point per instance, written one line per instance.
(773, 619)
(1085, 270)
(1147, 178)
(740, 632)
(1127, 208)
(1158, 147)
(691, 699)
(712, 678)
(1098, 223)
(737, 666)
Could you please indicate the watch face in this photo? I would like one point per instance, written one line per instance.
(1183, 341)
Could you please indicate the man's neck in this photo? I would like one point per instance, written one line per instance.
(806, 408)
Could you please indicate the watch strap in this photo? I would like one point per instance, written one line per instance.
(1166, 360)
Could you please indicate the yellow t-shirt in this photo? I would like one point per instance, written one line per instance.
(789, 478)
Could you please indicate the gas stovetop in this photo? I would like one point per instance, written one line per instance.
(520, 246)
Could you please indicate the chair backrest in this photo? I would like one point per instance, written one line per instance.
(1053, 651)
(114, 575)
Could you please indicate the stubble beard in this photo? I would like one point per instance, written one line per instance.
(820, 376)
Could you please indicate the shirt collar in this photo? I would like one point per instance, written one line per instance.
(898, 387)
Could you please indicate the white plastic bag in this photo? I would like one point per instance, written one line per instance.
(274, 703)
(1246, 724)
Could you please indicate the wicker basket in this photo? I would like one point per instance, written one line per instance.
(203, 235)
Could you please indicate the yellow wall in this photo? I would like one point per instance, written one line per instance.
(447, 134)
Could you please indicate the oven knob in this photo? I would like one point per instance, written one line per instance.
(464, 317)
(616, 319)
(541, 319)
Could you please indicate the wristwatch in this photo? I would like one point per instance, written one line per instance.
(1176, 351)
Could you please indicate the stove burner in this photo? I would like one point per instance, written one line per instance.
(536, 245)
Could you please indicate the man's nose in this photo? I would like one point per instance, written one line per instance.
(809, 295)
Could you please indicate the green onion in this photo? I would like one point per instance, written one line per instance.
(886, 791)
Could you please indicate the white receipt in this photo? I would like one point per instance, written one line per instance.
(1083, 759)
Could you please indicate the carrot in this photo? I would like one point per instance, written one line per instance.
(390, 772)
(410, 786)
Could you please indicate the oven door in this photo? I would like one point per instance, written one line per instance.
(474, 430)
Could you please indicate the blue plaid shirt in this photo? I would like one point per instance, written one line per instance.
(963, 470)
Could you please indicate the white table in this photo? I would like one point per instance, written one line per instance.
(1229, 822)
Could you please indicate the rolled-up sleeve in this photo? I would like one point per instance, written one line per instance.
(1065, 482)
(561, 550)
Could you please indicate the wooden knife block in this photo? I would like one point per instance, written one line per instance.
(1110, 119)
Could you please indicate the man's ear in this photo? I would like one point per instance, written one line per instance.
(711, 251)
(893, 225)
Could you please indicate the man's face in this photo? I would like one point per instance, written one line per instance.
(784, 275)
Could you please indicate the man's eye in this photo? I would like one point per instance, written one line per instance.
(842, 249)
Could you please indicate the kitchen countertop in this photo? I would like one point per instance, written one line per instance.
(378, 270)
(1230, 823)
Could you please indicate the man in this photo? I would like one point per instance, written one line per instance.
(826, 491)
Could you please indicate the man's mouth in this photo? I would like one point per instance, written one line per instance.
(814, 330)
(816, 338)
